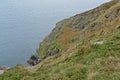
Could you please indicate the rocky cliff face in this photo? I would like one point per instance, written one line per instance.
(83, 47)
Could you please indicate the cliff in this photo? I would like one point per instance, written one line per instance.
(83, 47)
(80, 27)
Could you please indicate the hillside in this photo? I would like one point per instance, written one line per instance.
(83, 47)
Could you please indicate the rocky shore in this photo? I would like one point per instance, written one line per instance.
(3, 69)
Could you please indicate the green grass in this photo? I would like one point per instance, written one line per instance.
(102, 60)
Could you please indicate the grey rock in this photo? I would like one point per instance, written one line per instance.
(112, 15)
(1, 72)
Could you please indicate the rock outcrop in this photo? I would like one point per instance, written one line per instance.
(3, 69)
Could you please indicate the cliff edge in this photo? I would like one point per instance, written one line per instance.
(83, 47)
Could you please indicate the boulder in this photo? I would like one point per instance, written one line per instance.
(1, 72)
(34, 59)
(3, 68)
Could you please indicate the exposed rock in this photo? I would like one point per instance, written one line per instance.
(112, 15)
(81, 20)
(99, 43)
(52, 51)
(3, 69)
(96, 24)
(34, 59)
(1, 72)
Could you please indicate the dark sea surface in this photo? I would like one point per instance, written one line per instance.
(25, 23)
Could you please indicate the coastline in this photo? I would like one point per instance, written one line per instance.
(3, 69)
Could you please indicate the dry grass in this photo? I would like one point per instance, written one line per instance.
(67, 34)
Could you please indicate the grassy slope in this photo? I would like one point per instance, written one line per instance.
(83, 59)
(86, 62)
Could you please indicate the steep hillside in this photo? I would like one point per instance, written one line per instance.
(83, 47)
(80, 27)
